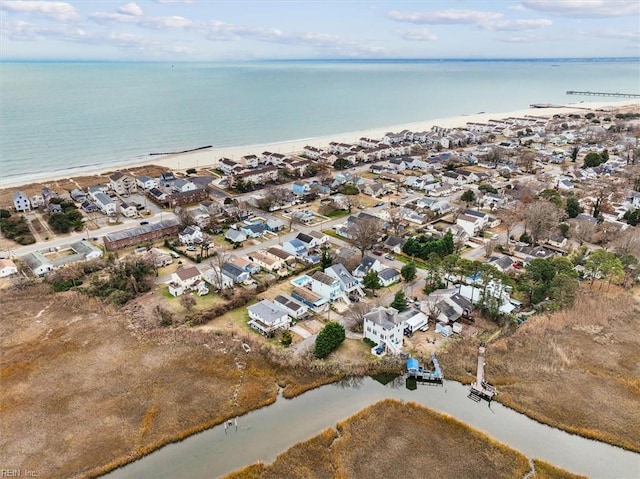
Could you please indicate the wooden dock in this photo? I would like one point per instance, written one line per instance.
(418, 374)
(601, 93)
(481, 389)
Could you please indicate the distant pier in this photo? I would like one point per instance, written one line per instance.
(601, 93)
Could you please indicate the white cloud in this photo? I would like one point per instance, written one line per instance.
(445, 17)
(417, 35)
(483, 20)
(130, 9)
(60, 11)
(585, 8)
(609, 33)
(518, 25)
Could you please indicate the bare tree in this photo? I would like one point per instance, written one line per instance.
(509, 219)
(352, 201)
(541, 217)
(355, 315)
(365, 232)
(527, 160)
(628, 242)
(184, 216)
(582, 231)
(273, 196)
(395, 220)
(489, 247)
(216, 263)
(187, 301)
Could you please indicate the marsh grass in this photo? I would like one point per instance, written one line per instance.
(560, 368)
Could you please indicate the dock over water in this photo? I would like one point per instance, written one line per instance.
(601, 93)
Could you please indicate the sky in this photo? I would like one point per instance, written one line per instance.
(206, 30)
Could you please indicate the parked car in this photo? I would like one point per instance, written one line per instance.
(191, 248)
(390, 257)
(174, 254)
(144, 223)
(379, 203)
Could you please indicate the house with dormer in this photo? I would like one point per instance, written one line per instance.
(184, 279)
(367, 263)
(326, 286)
(21, 202)
(190, 235)
(145, 182)
(294, 308)
(122, 183)
(266, 317)
(348, 283)
(383, 326)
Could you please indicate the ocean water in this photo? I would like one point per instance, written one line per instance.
(58, 116)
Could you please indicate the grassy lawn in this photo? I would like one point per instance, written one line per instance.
(338, 214)
(333, 234)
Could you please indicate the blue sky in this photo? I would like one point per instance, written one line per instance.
(202, 30)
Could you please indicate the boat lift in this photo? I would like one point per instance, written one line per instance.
(417, 374)
(481, 389)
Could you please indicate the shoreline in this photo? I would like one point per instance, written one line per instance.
(201, 157)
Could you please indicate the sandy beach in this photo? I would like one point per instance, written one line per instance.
(209, 157)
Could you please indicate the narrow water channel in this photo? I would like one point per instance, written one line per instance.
(261, 435)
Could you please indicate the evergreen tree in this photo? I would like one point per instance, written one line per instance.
(408, 272)
(329, 339)
(371, 280)
(399, 301)
(573, 207)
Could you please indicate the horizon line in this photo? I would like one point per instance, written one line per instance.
(344, 60)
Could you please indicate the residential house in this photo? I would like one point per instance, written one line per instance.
(291, 306)
(145, 182)
(557, 241)
(7, 268)
(266, 261)
(274, 225)
(304, 216)
(250, 161)
(326, 286)
(388, 276)
(493, 289)
(447, 305)
(282, 254)
(267, 317)
(260, 176)
(504, 263)
(314, 301)
(228, 167)
(77, 195)
(217, 279)
(245, 264)
(394, 244)
(37, 201)
(183, 186)
(366, 264)
(21, 202)
(320, 238)
(309, 241)
(383, 326)
(106, 204)
(348, 283)
(472, 221)
(158, 195)
(235, 236)
(190, 235)
(38, 263)
(122, 183)
(157, 257)
(300, 188)
(253, 230)
(183, 279)
(54, 208)
(128, 210)
(312, 152)
(375, 189)
(238, 275)
(299, 167)
(167, 179)
(527, 253)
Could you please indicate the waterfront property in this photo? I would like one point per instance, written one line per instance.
(267, 317)
(21, 202)
(43, 262)
(384, 327)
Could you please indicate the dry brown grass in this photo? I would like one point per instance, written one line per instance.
(392, 439)
(562, 368)
(85, 390)
(544, 470)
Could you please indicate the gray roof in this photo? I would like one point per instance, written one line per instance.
(461, 301)
(235, 235)
(288, 302)
(304, 238)
(140, 230)
(339, 272)
(268, 312)
(385, 317)
(323, 278)
(388, 273)
(393, 241)
(232, 271)
(365, 264)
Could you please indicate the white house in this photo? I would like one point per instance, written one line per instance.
(184, 185)
(388, 276)
(122, 183)
(190, 235)
(184, 279)
(7, 268)
(348, 283)
(293, 308)
(384, 327)
(326, 286)
(217, 279)
(21, 202)
(105, 203)
(267, 317)
(145, 182)
(128, 210)
(367, 263)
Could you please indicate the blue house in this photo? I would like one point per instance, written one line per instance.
(295, 247)
(253, 231)
(300, 189)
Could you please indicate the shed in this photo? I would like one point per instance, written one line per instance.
(412, 365)
(444, 329)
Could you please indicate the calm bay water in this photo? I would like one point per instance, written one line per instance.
(64, 115)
